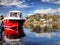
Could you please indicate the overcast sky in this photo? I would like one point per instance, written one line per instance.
(29, 7)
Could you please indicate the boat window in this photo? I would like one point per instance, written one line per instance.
(20, 15)
(13, 14)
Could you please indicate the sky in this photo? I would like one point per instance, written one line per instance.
(28, 7)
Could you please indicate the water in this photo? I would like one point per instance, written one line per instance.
(32, 38)
(37, 38)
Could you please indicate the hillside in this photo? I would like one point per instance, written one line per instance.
(38, 19)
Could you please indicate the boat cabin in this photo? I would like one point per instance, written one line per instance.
(15, 14)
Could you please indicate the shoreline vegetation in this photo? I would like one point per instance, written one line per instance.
(40, 19)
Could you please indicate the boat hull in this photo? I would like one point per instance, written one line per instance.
(13, 29)
(11, 40)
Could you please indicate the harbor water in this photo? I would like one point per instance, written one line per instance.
(37, 38)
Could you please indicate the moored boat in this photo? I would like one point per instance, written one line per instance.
(13, 26)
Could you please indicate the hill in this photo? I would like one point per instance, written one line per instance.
(37, 19)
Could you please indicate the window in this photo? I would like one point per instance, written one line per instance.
(20, 15)
(13, 14)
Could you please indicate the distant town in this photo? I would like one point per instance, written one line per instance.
(37, 19)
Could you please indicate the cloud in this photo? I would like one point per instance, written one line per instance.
(45, 11)
(45, 0)
(13, 3)
(52, 1)
(58, 10)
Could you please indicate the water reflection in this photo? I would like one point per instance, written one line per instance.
(12, 43)
(37, 36)
(45, 28)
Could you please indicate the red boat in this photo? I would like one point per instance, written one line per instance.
(13, 26)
